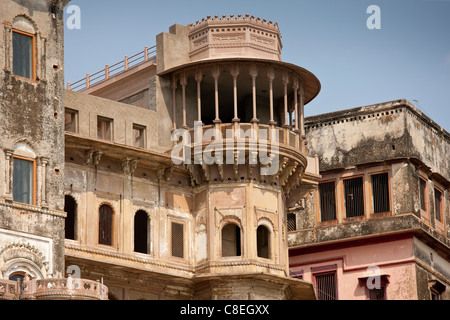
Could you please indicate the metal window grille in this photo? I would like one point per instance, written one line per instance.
(105, 225)
(177, 240)
(291, 222)
(377, 294)
(354, 197)
(326, 286)
(437, 203)
(423, 186)
(327, 201)
(380, 193)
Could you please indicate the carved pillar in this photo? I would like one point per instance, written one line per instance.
(234, 73)
(216, 74)
(183, 82)
(43, 162)
(253, 75)
(8, 174)
(174, 103)
(302, 110)
(271, 76)
(199, 78)
(295, 87)
(285, 84)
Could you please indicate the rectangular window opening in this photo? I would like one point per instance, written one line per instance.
(380, 193)
(438, 204)
(327, 201)
(326, 286)
(71, 120)
(138, 136)
(23, 61)
(104, 128)
(23, 181)
(354, 197)
(423, 188)
(177, 240)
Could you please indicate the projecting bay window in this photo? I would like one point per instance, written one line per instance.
(380, 193)
(24, 181)
(23, 54)
(327, 195)
(354, 197)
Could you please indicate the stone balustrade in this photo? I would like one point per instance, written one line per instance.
(53, 289)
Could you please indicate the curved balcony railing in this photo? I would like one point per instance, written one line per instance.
(53, 289)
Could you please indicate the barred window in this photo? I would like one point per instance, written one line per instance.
(327, 201)
(380, 193)
(354, 197)
(291, 222)
(326, 286)
(177, 240)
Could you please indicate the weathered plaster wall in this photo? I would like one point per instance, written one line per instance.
(32, 113)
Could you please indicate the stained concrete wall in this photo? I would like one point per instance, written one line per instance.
(32, 113)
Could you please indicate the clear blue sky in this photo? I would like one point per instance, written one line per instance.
(409, 57)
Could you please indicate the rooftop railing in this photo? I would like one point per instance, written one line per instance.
(149, 53)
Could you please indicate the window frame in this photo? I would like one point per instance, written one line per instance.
(75, 218)
(138, 127)
(33, 54)
(147, 234)
(112, 225)
(183, 225)
(344, 201)
(372, 200)
(335, 201)
(33, 179)
(326, 271)
(238, 240)
(101, 119)
(267, 238)
(440, 206)
(76, 121)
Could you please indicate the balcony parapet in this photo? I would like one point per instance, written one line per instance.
(53, 289)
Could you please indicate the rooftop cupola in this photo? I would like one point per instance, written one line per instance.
(234, 37)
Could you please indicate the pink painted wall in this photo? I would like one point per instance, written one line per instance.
(393, 258)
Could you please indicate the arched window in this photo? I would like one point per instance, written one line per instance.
(70, 207)
(263, 242)
(141, 232)
(231, 240)
(24, 48)
(105, 225)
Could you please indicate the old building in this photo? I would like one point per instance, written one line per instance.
(188, 171)
(377, 227)
(32, 155)
(180, 166)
